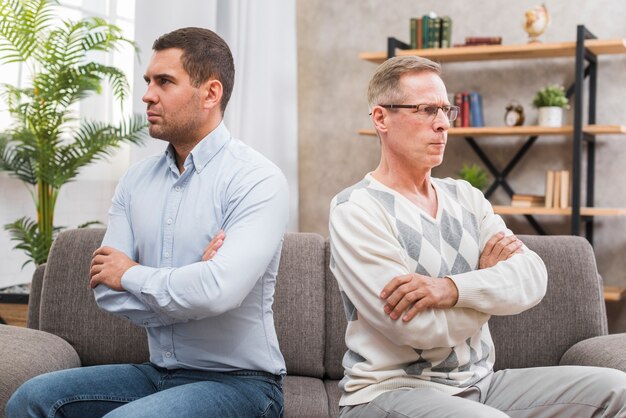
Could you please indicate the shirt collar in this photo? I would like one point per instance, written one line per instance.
(205, 150)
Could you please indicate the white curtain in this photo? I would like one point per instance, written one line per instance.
(262, 111)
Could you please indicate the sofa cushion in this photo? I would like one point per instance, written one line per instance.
(68, 308)
(299, 304)
(334, 394)
(305, 397)
(601, 351)
(572, 277)
(28, 353)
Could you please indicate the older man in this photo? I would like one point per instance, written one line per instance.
(422, 263)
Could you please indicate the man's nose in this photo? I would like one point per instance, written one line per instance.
(149, 96)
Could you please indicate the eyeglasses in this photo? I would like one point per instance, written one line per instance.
(427, 111)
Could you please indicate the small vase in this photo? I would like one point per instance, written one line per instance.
(551, 116)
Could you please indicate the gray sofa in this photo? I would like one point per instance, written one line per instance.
(66, 329)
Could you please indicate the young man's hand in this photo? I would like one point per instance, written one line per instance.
(499, 248)
(108, 266)
(214, 245)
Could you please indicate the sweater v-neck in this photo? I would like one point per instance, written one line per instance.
(423, 212)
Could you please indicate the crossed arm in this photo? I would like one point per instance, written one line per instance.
(410, 294)
(109, 265)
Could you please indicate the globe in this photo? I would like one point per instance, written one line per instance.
(536, 22)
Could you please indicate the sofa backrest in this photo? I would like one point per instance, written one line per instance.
(308, 311)
(572, 310)
(68, 308)
(299, 304)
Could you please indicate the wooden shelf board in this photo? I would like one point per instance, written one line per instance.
(584, 211)
(613, 293)
(502, 52)
(524, 130)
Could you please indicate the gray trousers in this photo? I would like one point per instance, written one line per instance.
(563, 391)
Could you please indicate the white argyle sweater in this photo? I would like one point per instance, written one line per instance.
(377, 234)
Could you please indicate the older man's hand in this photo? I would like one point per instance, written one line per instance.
(499, 248)
(410, 294)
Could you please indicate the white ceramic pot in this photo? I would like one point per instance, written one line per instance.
(551, 116)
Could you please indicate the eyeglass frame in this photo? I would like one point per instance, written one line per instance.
(431, 115)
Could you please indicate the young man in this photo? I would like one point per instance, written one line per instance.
(422, 263)
(208, 316)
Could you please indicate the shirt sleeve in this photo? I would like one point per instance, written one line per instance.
(366, 255)
(254, 224)
(511, 286)
(119, 235)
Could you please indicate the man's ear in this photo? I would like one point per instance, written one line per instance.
(379, 118)
(213, 92)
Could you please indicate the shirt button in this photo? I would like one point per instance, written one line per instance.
(169, 221)
(168, 354)
(146, 323)
(178, 188)
(167, 255)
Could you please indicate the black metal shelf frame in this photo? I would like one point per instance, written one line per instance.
(581, 72)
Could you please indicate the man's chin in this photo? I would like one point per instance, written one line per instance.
(155, 132)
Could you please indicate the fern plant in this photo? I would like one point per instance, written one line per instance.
(45, 148)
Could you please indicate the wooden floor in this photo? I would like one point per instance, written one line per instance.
(14, 313)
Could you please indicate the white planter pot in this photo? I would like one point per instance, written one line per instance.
(551, 116)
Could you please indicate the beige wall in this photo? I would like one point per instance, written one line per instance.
(332, 102)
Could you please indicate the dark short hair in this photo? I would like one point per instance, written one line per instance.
(205, 56)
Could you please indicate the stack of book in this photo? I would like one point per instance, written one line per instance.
(557, 189)
(481, 40)
(431, 31)
(471, 113)
(528, 200)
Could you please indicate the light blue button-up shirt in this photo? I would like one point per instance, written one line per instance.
(210, 315)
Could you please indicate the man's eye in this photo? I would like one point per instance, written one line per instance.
(430, 110)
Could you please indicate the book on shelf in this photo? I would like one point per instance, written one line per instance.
(465, 109)
(458, 101)
(549, 188)
(446, 32)
(426, 28)
(416, 33)
(565, 186)
(483, 40)
(476, 110)
(528, 200)
(556, 202)
(436, 33)
(557, 189)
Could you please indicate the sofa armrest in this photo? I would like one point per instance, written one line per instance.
(34, 300)
(602, 351)
(27, 353)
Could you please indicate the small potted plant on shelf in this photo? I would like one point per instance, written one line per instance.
(551, 101)
(474, 175)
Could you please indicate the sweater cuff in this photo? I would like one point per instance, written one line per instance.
(470, 292)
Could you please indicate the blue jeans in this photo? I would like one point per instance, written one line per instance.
(145, 390)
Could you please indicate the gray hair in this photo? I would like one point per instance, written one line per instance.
(383, 87)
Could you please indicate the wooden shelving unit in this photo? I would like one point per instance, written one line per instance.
(584, 211)
(525, 130)
(584, 50)
(506, 52)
